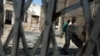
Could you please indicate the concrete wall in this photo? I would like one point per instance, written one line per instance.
(8, 6)
(32, 10)
(42, 19)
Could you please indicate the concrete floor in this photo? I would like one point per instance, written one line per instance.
(32, 36)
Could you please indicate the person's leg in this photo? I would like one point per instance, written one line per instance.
(67, 43)
(76, 40)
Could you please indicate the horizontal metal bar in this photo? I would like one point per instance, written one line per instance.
(68, 9)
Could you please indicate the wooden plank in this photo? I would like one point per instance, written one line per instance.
(50, 12)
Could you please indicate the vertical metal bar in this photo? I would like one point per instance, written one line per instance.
(14, 5)
(44, 46)
(50, 12)
(48, 44)
(1, 17)
(20, 8)
(27, 5)
(17, 8)
(88, 16)
(23, 40)
(45, 5)
(15, 40)
(2, 53)
(93, 10)
(94, 34)
(53, 40)
(95, 51)
(23, 10)
(36, 45)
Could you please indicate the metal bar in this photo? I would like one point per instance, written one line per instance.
(88, 15)
(68, 9)
(36, 45)
(8, 38)
(18, 8)
(19, 13)
(53, 40)
(15, 40)
(24, 40)
(14, 5)
(16, 27)
(93, 10)
(44, 46)
(48, 44)
(2, 53)
(45, 5)
(24, 8)
(50, 12)
(1, 17)
(94, 34)
(82, 50)
(95, 51)
(27, 4)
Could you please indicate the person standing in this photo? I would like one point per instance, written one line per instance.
(71, 33)
(66, 45)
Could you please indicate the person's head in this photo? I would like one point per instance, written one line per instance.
(68, 21)
(73, 20)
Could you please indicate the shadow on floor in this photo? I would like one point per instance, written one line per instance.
(71, 51)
